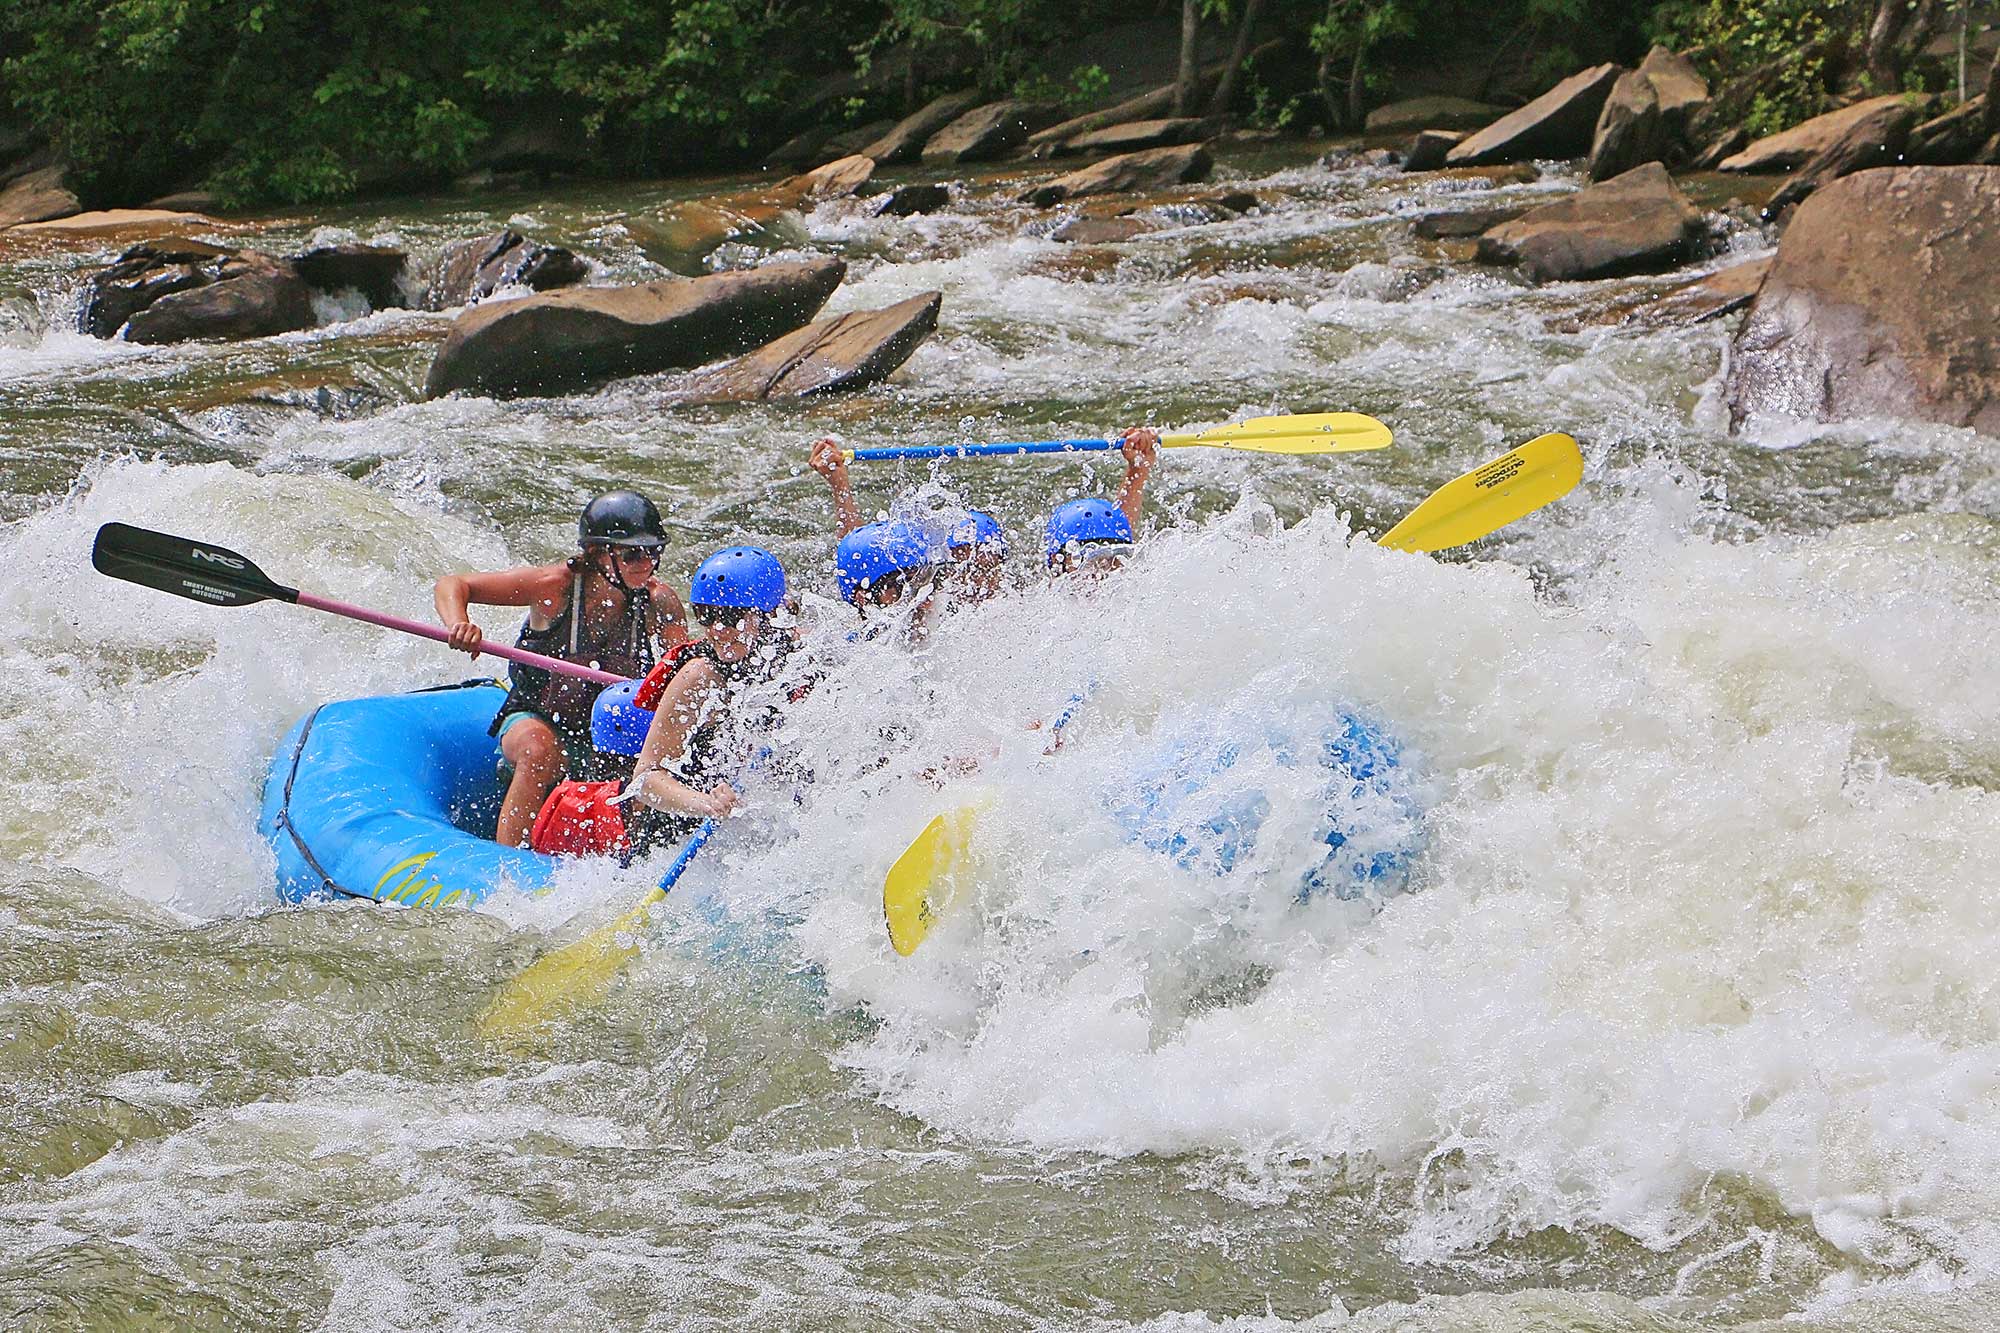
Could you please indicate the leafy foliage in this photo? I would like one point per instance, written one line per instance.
(1782, 56)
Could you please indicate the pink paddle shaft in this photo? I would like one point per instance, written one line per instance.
(436, 635)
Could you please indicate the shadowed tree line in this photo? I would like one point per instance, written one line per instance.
(299, 100)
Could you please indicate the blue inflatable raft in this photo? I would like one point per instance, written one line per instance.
(394, 799)
(1202, 799)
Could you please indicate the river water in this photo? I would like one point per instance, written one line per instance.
(1688, 1018)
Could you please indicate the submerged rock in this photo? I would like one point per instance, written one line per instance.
(1800, 144)
(907, 139)
(907, 200)
(1154, 169)
(1559, 123)
(1639, 222)
(682, 236)
(1465, 221)
(570, 340)
(473, 270)
(1101, 231)
(1720, 293)
(1884, 301)
(844, 352)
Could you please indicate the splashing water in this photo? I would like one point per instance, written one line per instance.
(1681, 1009)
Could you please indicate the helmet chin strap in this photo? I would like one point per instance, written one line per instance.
(616, 576)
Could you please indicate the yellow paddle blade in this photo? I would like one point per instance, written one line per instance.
(560, 981)
(924, 879)
(1490, 497)
(1307, 433)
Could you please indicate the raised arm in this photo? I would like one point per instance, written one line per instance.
(1142, 451)
(830, 461)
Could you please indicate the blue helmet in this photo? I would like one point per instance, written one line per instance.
(742, 578)
(1087, 521)
(977, 528)
(876, 550)
(617, 725)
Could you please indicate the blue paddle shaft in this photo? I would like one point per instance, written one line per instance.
(695, 842)
(699, 838)
(984, 450)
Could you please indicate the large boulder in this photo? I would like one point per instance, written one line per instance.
(1139, 134)
(986, 132)
(570, 340)
(1682, 92)
(38, 196)
(912, 132)
(833, 355)
(1798, 145)
(376, 271)
(1432, 113)
(1154, 169)
(473, 270)
(1884, 301)
(1875, 140)
(1559, 123)
(238, 295)
(1639, 222)
(145, 273)
(1629, 129)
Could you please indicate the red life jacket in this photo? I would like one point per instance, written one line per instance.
(578, 819)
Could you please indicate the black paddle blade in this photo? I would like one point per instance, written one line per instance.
(185, 568)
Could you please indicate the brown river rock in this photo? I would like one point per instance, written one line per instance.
(1884, 301)
(1154, 169)
(570, 340)
(1800, 144)
(1559, 123)
(177, 290)
(907, 139)
(1639, 222)
(833, 355)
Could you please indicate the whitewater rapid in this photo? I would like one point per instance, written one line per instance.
(1688, 996)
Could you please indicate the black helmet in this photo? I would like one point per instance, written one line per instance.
(620, 518)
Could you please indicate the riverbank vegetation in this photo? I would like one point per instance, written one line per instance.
(261, 102)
